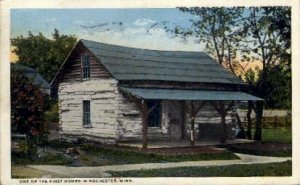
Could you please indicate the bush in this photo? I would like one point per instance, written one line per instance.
(28, 104)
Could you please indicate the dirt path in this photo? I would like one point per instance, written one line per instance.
(100, 171)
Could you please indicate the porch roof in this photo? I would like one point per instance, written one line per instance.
(186, 94)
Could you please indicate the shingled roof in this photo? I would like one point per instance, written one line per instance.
(125, 63)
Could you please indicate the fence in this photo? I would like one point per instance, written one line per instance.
(271, 118)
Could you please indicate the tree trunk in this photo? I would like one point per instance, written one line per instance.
(145, 123)
(258, 125)
(249, 121)
(241, 134)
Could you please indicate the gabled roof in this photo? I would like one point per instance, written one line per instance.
(125, 63)
(33, 76)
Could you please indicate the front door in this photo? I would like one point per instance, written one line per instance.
(175, 118)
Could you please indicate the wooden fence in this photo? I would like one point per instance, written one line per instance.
(271, 118)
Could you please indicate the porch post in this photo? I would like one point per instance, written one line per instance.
(249, 121)
(183, 112)
(223, 112)
(223, 123)
(145, 115)
(193, 111)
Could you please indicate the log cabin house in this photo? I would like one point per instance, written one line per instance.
(114, 94)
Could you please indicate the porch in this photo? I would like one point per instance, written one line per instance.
(183, 121)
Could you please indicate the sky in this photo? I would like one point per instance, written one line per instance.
(142, 28)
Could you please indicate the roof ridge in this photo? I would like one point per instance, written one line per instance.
(136, 48)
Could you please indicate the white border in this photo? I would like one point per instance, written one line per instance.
(5, 79)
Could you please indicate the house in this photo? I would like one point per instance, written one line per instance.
(113, 94)
(33, 76)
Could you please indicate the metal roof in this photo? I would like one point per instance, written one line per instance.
(180, 94)
(126, 63)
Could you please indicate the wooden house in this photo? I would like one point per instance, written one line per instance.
(113, 94)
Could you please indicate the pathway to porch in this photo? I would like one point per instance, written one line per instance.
(180, 143)
(101, 171)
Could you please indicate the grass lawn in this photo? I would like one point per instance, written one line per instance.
(95, 155)
(275, 142)
(277, 135)
(246, 170)
(50, 160)
(114, 156)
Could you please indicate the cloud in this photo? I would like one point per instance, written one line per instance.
(78, 22)
(140, 37)
(51, 20)
(143, 22)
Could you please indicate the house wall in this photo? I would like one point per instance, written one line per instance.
(102, 94)
(129, 120)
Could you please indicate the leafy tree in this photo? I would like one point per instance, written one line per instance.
(220, 30)
(269, 44)
(43, 54)
(28, 103)
(248, 34)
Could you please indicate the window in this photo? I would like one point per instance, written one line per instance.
(86, 113)
(85, 63)
(154, 115)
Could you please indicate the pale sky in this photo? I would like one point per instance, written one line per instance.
(142, 28)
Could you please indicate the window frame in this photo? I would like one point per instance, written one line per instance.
(86, 114)
(159, 104)
(85, 66)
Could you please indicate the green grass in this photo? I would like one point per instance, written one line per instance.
(246, 170)
(49, 160)
(95, 155)
(278, 135)
(244, 150)
(130, 157)
(273, 137)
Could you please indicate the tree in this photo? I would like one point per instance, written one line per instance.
(235, 35)
(43, 54)
(28, 103)
(220, 30)
(269, 44)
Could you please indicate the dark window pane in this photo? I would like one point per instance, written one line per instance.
(85, 61)
(155, 114)
(86, 112)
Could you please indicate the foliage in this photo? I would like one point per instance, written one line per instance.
(43, 54)
(249, 34)
(28, 103)
(219, 28)
(244, 170)
(52, 115)
(277, 90)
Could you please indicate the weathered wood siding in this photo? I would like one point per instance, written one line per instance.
(130, 122)
(100, 89)
(73, 71)
(102, 94)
